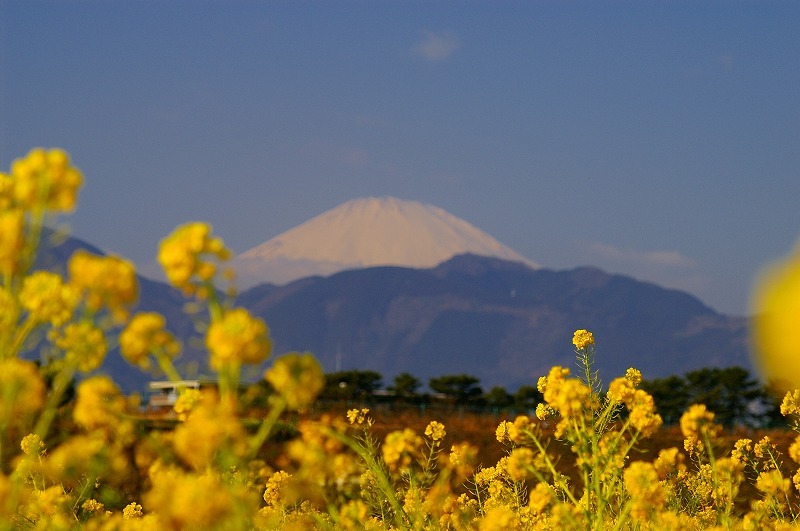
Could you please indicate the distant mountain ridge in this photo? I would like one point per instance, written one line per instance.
(364, 233)
(498, 320)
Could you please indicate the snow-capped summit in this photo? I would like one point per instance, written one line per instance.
(363, 233)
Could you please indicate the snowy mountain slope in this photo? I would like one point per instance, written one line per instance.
(364, 233)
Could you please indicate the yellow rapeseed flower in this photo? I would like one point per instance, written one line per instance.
(146, 333)
(435, 430)
(186, 401)
(582, 339)
(99, 404)
(32, 445)
(47, 299)
(776, 320)
(187, 256)
(647, 494)
(105, 282)
(400, 449)
(298, 378)
(697, 424)
(46, 179)
(211, 430)
(21, 389)
(84, 344)
(237, 337)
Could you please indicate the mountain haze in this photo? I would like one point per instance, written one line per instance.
(365, 233)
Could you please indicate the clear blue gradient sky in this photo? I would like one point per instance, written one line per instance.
(655, 139)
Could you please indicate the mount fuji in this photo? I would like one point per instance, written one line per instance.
(364, 233)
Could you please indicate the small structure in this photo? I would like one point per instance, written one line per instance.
(163, 394)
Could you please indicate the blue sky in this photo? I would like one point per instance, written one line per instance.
(656, 139)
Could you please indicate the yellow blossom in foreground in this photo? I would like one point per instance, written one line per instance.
(435, 430)
(104, 281)
(791, 403)
(21, 389)
(211, 431)
(641, 480)
(197, 501)
(185, 403)
(276, 482)
(697, 424)
(47, 299)
(237, 337)
(776, 320)
(358, 417)
(99, 404)
(84, 345)
(45, 178)
(520, 464)
(93, 506)
(401, 448)
(186, 256)
(32, 445)
(634, 376)
(12, 240)
(132, 510)
(144, 334)
(298, 378)
(582, 339)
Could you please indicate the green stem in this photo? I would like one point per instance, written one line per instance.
(383, 481)
(166, 365)
(19, 338)
(266, 427)
(60, 383)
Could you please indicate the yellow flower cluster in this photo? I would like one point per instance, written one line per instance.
(237, 338)
(435, 430)
(47, 299)
(187, 256)
(298, 378)
(83, 344)
(44, 177)
(582, 339)
(698, 428)
(104, 282)
(401, 448)
(145, 334)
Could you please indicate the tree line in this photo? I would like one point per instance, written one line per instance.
(732, 393)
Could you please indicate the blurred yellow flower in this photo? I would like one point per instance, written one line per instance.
(144, 334)
(298, 378)
(187, 253)
(582, 339)
(12, 240)
(211, 431)
(238, 337)
(47, 298)
(21, 389)
(775, 308)
(400, 449)
(84, 345)
(104, 282)
(185, 403)
(99, 405)
(45, 178)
